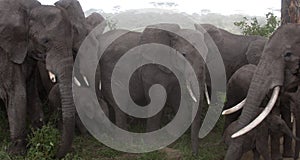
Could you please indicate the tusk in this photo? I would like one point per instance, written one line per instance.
(100, 85)
(52, 77)
(191, 92)
(235, 108)
(262, 115)
(77, 82)
(207, 95)
(86, 81)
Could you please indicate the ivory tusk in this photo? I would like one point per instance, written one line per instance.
(262, 115)
(52, 77)
(86, 81)
(77, 82)
(207, 95)
(191, 92)
(235, 108)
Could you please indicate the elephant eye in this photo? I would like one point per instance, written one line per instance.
(184, 54)
(287, 55)
(45, 40)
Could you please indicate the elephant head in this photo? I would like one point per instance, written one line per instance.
(14, 27)
(51, 34)
(277, 68)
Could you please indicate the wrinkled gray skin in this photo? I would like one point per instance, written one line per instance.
(236, 50)
(16, 70)
(279, 66)
(256, 140)
(61, 45)
(54, 38)
(237, 89)
(82, 27)
(148, 75)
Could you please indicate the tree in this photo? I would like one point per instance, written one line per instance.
(290, 11)
(252, 27)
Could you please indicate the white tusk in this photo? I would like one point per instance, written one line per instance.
(52, 77)
(191, 93)
(77, 82)
(235, 108)
(86, 81)
(207, 95)
(262, 115)
(100, 85)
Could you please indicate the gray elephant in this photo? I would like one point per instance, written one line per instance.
(237, 89)
(16, 68)
(236, 50)
(60, 45)
(82, 26)
(255, 140)
(150, 74)
(54, 38)
(277, 70)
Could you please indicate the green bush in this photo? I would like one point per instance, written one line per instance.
(43, 143)
(252, 27)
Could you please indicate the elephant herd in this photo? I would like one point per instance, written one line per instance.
(39, 44)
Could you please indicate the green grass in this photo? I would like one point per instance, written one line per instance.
(43, 143)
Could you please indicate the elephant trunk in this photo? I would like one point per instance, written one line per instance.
(68, 108)
(263, 80)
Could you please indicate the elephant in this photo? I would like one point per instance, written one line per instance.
(255, 140)
(17, 82)
(237, 89)
(82, 26)
(148, 75)
(54, 37)
(236, 50)
(58, 45)
(277, 70)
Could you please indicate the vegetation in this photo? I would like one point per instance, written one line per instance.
(252, 26)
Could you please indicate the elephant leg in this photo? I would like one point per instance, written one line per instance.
(234, 152)
(34, 104)
(80, 126)
(287, 143)
(153, 123)
(256, 155)
(121, 118)
(297, 146)
(275, 146)
(262, 148)
(16, 111)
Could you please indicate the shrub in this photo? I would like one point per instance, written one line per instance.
(252, 27)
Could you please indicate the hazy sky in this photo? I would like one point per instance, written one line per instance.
(251, 7)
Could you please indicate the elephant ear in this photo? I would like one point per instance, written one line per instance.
(77, 19)
(94, 20)
(13, 30)
(255, 50)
